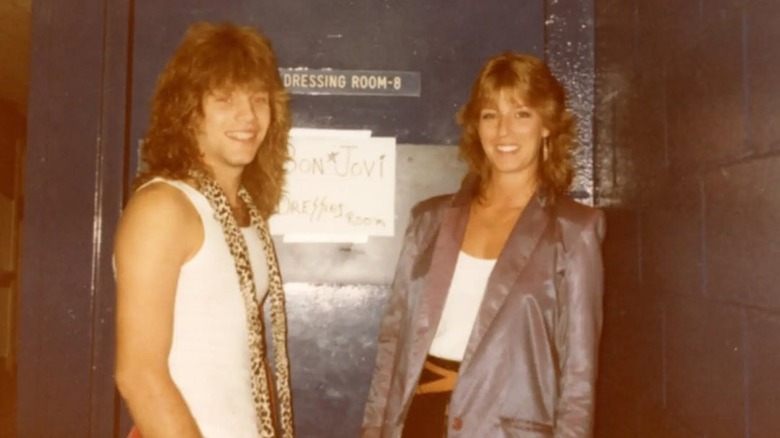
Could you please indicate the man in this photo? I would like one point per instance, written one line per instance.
(194, 258)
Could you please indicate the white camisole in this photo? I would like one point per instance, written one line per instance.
(461, 306)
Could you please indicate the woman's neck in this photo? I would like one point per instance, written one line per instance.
(509, 191)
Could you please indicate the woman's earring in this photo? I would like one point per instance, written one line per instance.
(545, 149)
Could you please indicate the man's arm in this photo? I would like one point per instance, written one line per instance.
(159, 231)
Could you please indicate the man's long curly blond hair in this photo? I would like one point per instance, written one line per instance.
(210, 57)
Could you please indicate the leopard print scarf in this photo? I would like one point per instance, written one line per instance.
(263, 399)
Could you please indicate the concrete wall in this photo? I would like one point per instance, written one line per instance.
(687, 165)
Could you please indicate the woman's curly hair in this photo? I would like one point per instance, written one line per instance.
(531, 80)
(214, 56)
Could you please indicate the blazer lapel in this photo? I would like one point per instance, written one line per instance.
(437, 282)
(521, 242)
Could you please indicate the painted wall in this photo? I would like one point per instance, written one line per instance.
(12, 133)
(687, 160)
(73, 187)
(445, 41)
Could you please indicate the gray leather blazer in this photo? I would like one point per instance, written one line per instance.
(530, 366)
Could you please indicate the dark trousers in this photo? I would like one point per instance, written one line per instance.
(427, 416)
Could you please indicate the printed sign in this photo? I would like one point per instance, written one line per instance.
(351, 82)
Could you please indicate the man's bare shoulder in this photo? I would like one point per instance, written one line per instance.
(160, 203)
(160, 197)
(161, 215)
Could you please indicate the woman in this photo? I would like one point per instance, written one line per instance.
(494, 318)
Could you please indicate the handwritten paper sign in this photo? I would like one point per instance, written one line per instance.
(341, 186)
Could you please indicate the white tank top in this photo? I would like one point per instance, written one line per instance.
(209, 359)
(461, 306)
